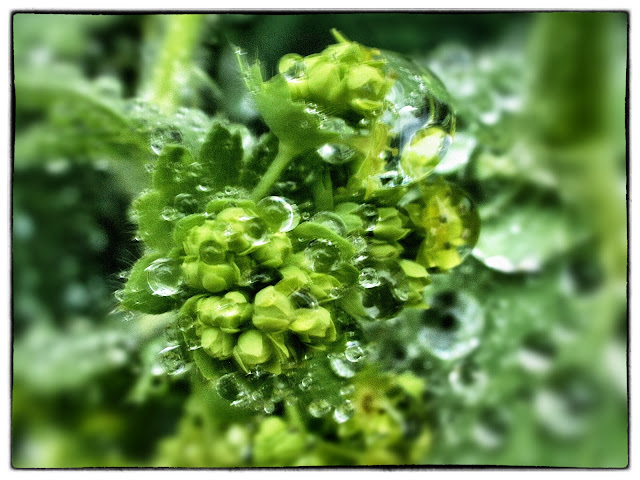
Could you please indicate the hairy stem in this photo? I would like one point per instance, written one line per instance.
(284, 156)
(173, 60)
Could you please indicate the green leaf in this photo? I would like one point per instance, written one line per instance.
(524, 237)
(221, 156)
(206, 365)
(308, 231)
(138, 296)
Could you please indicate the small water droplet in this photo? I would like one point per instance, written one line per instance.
(185, 203)
(229, 387)
(172, 360)
(323, 255)
(340, 365)
(163, 136)
(343, 412)
(164, 277)
(170, 214)
(354, 352)
(306, 382)
(319, 408)
(336, 154)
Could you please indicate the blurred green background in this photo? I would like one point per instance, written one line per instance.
(540, 146)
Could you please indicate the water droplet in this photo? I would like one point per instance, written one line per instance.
(163, 136)
(306, 382)
(279, 214)
(369, 215)
(340, 365)
(292, 67)
(229, 387)
(164, 277)
(332, 221)
(347, 390)
(451, 327)
(354, 352)
(170, 214)
(343, 412)
(268, 407)
(185, 203)
(303, 299)
(336, 154)
(211, 253)
(172, 360)
(323, 255)
(319, 408)
(468, 382)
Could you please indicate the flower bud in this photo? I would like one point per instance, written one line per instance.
(323, 286)
(217, 343)
(217, 278)
(276, 444)
(274, 252)
(207, 233)
(273, 311)
(252, 348)
(228, 312)
(423, 152)
(418, 279)
(242, 228)
(312, 324)
(190, 272)
(382, 251)
(293, 279)
(390, 225)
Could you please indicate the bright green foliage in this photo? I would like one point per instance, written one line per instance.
(270, 284)
(319, 294)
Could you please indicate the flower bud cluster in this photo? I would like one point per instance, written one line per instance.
(343, 78)
(264, 303)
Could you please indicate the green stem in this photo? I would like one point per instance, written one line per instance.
(284, 156)
(173, 60)
(323, 191)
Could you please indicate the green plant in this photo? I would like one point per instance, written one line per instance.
(289, 285)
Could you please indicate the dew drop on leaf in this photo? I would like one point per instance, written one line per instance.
(354, 352)
(319, 408)
(279, 214)
(452, 326)
(336, 154)
(343, 412)
(340, 365)
(172, 360)
(164, 277)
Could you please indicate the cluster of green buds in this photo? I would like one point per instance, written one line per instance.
(261, 279)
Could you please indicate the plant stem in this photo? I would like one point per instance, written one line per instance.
(323, 191)
(173, 60)
(284, 156)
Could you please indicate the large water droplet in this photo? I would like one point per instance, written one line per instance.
(332, 221)
(452, 326)
(211, 253)
(279, 214)
(164, 277)
(292, 67)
